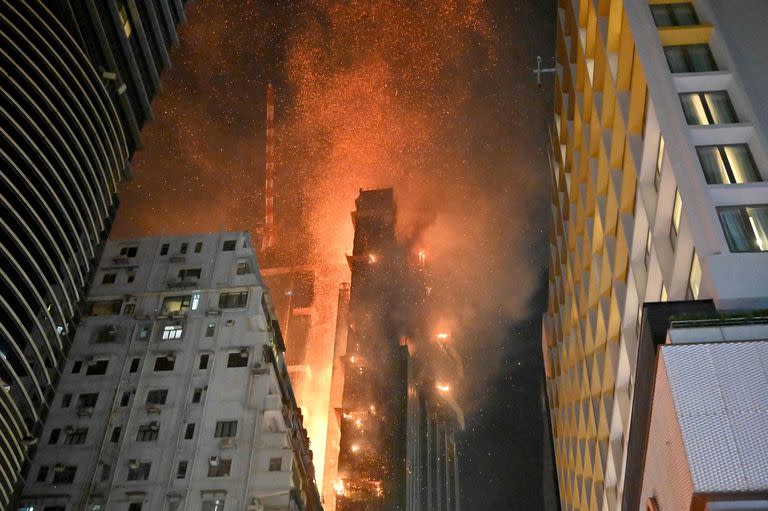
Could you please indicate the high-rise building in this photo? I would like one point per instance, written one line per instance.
(66, 141)
(659, 158)
(176, 392)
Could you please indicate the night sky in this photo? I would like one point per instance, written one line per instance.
(435, 98)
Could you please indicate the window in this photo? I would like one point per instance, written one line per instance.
(677, 211)
(134, 506)
(66, 400)
(172, 332)
(243, 268)
(659, 163)
(106, 334)
(690, 58)
(225, 429)
(181, 471)
(76, 436)
(237, 359)
(134, 365)
(728, 164)
(189, 432)
(105, 307)
(129, 251)
(275, 464)
(109, 278)
(705, 108)
(197, 395)
(144, 332)
(129, 308)
(64, 474)
(229, 245)
(131, 276)
(195, 301)
(198, 247)
(203, 361)
(648, 247)
(139, 471)
(126, 22)
(213, 505)
(184, 247)
(210, 329)
(219, 468)
(148, 432)
(190, 273)
(663, 295)
(97, 368)
(234, 300)
(674, 15)
(115, 437)
(77, 366)
(157, 397)
(694, 278)
(87, 400)
(165, 363)
(174, 304)
(53, 438)
(164, 249)
(125, 399)
(42, 474)
(746, 227)
(106, 469)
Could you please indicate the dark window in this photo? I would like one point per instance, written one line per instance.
(190, 273)
(129, 251)
(134, 506)
(125, 399)
(197, 395)
(130, 308)
(210, 329)
(164, 249)
(746, 227)
(87, 400)
(691, 58)
(106, 469)
(157, 397)
(164, 363)
(148, 432)
(135, 365)
(705, 108)
(77, 366)
(229, 245)
(674, 15)
(275, 464)
(106, 334)
(234, 300)
(243, 268)
(131, 277)
(184, 247)
(54, 508)
(237, 359)
(76, 436)
(54, 437)
(97, 368)
(198, 247)
(66, 400)
(219, 468)
(115, 434)
(225, 429)
(181, 471)
(189, 432)
(728, 164)
(64, 474)
(139, 471)
(109, 278)
(203, 362)
(42, 474)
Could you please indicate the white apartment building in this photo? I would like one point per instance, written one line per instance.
(659, 194)
(175, 395)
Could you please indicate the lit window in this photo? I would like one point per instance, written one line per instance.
(213, 505)
(126, 22)
(195, 301)
(704, 108)
(691, 58)
(746, 227)
(677, 211)
(694, 279)
(659, 162)
(174, 304)
(233, 300)
(728, 164)
(674, 15)
(172, 332)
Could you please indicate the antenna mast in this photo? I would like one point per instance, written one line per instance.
(268, 240)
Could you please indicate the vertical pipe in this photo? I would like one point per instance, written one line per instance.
(268, 240)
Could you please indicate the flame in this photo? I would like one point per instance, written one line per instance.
(354, 448)
(422, 256)
(443, 336)
(338, 487)
(442, 387)
(372, 258)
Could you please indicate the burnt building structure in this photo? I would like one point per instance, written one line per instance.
(373, 422)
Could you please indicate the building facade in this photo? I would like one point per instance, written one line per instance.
(65, 144)
(659, 161)
(176, 392)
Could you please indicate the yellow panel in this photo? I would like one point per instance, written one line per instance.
(675, 36)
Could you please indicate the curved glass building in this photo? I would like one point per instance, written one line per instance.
(68, 127)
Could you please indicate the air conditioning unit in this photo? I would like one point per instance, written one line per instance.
(259, 369)
(154, 426)
(59, 467)
(171, 356)
(85, 411)
(244, 352)
(69, 429)
(133, 464)
(214, 461)
(152, 408)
